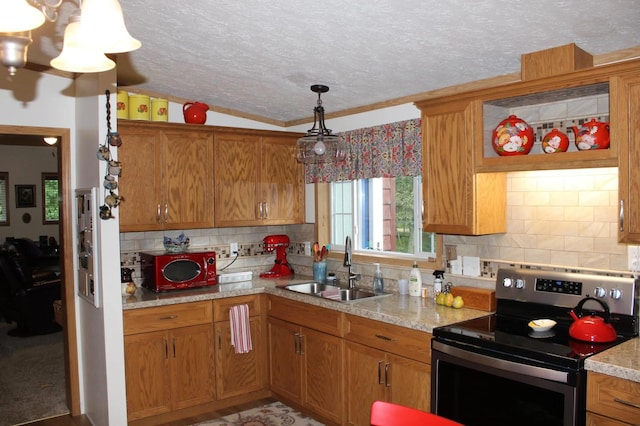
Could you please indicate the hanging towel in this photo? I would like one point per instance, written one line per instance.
(240, 329)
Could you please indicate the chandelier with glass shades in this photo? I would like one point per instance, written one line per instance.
(94, 29)
(319, 145)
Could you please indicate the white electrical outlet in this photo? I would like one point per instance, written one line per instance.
(633, 259)
(233, 248)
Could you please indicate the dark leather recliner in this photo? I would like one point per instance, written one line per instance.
(29, 284)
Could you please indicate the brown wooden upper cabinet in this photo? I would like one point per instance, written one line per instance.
(258, 179)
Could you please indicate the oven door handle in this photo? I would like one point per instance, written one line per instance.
(501, 364)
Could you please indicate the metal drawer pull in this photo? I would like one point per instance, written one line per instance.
(621, 216)
(166, 349)
(168, 317)
(379, 372)
(386, 375)
(627, 403)
(388, 339)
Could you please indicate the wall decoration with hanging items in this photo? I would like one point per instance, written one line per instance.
(114, 168)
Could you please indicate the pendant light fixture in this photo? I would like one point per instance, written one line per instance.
(319, 145)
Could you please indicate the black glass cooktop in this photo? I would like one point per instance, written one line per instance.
(511, 338)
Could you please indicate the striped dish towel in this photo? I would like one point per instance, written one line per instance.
(240, 329)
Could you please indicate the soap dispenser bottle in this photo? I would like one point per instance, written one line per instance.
(415, 281)
(437, 282)
(378, 282)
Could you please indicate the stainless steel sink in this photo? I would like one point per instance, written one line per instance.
(332, 292)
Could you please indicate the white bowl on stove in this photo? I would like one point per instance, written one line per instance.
(541, 325)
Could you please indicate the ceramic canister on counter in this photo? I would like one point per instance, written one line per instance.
(139, 107)
(122, 104)
(159, 109)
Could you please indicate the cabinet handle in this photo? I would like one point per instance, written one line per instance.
(168, 317)
(158, 214)
(302, 344)
(388, 339)
(296, 343)
(386, 375)
(219, 340)
(260, 210)
(621, 215)
(166, 349)
(627, 403)
(174, 347)
(266, 210)
(379, 372)
(166, 212)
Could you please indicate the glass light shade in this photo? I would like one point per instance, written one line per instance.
(103, 27)
(18, 15)
(13, 50)
(312, 149)
(75, 57)
(51, 140)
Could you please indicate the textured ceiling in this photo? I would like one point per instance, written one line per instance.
(259, 57)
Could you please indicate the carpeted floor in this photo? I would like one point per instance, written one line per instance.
(32, 378)
(274, 414)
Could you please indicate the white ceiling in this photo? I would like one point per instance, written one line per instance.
(260, 57)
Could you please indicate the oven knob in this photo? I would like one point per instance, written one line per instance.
(507, 282)
(615, 293)
(600, 292)
(519, 283)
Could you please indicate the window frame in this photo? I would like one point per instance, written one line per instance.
(323, 233)
(49, 176)
(5, 176)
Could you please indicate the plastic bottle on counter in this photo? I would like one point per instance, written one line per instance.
(437, 283)
(415, 281)
(378, 281)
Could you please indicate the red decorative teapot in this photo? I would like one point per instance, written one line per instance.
(592, 135)
(555, 141)
(195, 112)
(512, 136)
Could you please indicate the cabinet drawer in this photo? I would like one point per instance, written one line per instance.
(167, 317)
(613, 397)
(389, 338)
(221, 306)
(311, 316)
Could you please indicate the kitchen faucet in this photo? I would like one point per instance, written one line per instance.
(348, 254)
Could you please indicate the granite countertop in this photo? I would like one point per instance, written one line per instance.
(622, 361)
(411, 312)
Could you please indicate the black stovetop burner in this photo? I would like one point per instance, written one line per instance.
(525, 295)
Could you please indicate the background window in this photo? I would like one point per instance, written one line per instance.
(50, 198)
(4, 198)
(382, 215)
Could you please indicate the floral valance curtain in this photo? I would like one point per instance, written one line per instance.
(389, 150)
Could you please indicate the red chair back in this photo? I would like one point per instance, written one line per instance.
(388, 414)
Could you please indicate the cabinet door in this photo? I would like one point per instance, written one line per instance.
(147, 374)
(187, 179)
(409, 382)
(456, 199)
(284, 359)
(192, 366)
(282, 181)
(323, 374)
(140, 179)
(237, 374)
(237, 168)
(625, 129)
(365, 375)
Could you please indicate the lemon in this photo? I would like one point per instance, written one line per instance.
(440, 298)
(457, 302)
(448, 299)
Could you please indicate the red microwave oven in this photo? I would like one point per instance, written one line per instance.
(162, 271)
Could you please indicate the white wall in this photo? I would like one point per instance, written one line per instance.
(39, 159)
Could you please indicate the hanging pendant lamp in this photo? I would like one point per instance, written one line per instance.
(75, 57)
(319, 145)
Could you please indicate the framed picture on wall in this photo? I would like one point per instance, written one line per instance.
(25, 196)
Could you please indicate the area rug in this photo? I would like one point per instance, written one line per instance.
(274, 414)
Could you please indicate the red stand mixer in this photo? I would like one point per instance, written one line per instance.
(279, 243)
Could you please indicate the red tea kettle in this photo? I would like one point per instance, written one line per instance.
(592, 135)
(195, 112)
(592, 328)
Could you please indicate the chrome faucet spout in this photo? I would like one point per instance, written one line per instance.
(352, 277)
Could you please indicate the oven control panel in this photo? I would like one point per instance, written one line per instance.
(559, 286)
(567, 288)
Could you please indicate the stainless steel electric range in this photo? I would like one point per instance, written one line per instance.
(495, 370)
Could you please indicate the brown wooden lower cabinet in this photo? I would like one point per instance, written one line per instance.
(612, 401)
